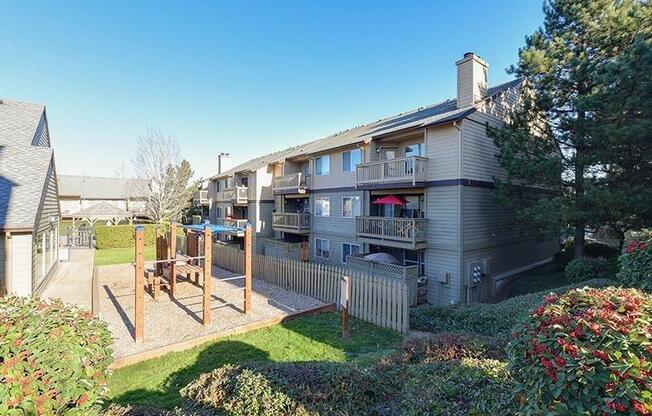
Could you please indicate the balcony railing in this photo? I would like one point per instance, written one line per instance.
(294, 182)
(201, 198)
(395, 232)
(291, 222)
(287, 250)
(230, 222)
(412, 169)
(237, 195)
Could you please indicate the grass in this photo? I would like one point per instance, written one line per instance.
(314, 338)
(108, 256)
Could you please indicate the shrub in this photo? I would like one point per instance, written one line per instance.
(482, 318)
(121, 236)
(445, 347)
(600, 250)
(561, 258)
(588, 351)
(53, 358)
(586, 268)
(636, 263)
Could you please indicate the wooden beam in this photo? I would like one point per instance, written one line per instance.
(173, 256)
(139, 282)
(208, 266)
(247, 269)
(345, 290)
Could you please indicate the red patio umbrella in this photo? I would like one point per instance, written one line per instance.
(390, 200)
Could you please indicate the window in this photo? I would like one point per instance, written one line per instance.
(351, 159)
(322, 248)
(349, 250)
(322, 207)
(323, 165)
(415, 149)
(350, 206)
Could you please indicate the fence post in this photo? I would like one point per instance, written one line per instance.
(173, 255)
(139, 283)
(345, 288)
(206, 318)
(247, 269)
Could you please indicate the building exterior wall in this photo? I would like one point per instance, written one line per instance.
(45, 256)
(337, 178)
(21, 264)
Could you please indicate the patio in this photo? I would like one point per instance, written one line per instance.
(169, 322)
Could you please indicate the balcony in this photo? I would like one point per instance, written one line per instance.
(291, 222)
(238, 195)
(235, 223)
(407, 274)
(407, 169)
(294, 183)
(408, 233)
(201, 198)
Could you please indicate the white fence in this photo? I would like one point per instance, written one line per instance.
(376, 299)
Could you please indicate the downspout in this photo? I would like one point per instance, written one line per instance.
(8, 255)
(467, 290)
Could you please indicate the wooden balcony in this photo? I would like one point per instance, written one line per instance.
(408, 233)
(294, 183)
(238, 195)
(291, 222)
(407, 169)
(201, 198)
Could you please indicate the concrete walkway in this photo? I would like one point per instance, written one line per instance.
(73, 280)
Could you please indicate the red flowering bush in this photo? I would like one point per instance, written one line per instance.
(586, 352)
(636, 262)
(54, 358)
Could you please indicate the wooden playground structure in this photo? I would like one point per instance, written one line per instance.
(171, 268)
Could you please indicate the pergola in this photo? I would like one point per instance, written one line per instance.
(102, 211)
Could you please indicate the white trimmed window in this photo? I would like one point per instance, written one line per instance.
(323, 165)
(349, 250)
(322, 206)
(322, 248)
(350, 206)
(350, 159)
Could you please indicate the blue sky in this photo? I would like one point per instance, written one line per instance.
(243, 77)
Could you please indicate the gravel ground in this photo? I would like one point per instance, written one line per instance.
(171, 321)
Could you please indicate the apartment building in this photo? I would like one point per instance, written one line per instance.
(408, 196)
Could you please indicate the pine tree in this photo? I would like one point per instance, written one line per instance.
(577, 146)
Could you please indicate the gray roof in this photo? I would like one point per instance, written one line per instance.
(435, 114)
(23, 167)
(95, 187)
(102, 210)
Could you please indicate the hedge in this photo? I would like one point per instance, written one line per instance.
(484, 318)
(121, 236)
(54, 358)
(636, 262)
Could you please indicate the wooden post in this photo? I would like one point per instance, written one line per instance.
(345, 287)
(173, 256)
(139, 282)
(247, 269)
(208, 266)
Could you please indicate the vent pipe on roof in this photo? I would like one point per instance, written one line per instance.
(223, 162)
(472, 74)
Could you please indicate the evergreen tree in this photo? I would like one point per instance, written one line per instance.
(577, 147)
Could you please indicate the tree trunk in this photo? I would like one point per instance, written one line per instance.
(580, 150)
(578, 245)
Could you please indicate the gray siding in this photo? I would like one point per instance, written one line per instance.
(443, 152)
(479, 160)
(335, 224)
(337, 178)
(42, 135)
(3, 282)
(336, 247)
(49, 206)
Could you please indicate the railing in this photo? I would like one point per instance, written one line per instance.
(237, 195)
(407, 274)
(296, 182)
(287, 221)
(409, 230)
(287, 250)
(231, 222)
(378, 299)
(201, 197)
(411, 169)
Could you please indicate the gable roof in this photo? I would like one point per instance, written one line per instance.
(432, 115)
(102, 210)
(23, 166)
(96, 187)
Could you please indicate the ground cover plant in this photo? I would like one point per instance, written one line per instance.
(585, 352)
(636, 262)
(53, 358)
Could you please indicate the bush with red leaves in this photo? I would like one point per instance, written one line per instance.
(586, 352)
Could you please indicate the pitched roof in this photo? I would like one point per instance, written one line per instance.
(432, 115)
(23, 166)
(102, 210)
(96, 187)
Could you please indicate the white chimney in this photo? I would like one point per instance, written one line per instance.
(223, 162)
(471, 79)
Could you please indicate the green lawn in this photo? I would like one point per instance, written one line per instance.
(121, 255)
(314, 338)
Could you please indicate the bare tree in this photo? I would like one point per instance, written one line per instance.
(167, 182)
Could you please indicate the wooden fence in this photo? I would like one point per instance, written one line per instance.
(380, 300)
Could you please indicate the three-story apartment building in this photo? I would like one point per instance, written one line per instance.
(415, 188)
